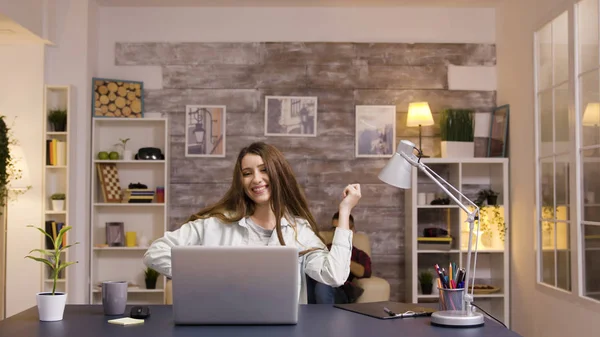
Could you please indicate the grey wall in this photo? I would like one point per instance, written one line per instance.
(341, 75)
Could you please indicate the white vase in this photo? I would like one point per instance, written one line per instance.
(457, 149)
(51, 307)
(127, 155)
(58, 205)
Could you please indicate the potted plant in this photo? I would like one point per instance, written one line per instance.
(125, 154)
(58, 201)
(488, 195)
(51, 305)
(151, 277)
(58, 119)
(456, 131)
(426, 281)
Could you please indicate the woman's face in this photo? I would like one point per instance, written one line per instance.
(255, 179)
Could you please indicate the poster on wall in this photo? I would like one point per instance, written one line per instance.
(205, 127)
(290, 116)
(375, 131)
(498, 132)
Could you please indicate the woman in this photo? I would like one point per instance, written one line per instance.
(265, 197)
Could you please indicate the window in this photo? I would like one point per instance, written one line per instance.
(568, 151)
(588, 77)
(554, 153)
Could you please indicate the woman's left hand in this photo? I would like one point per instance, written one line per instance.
(350, 197)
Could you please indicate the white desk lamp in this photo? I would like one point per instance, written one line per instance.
(397, 173)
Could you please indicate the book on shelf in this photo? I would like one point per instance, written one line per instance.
(56, 152)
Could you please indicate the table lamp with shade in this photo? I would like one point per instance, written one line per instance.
(419, 114)
(398, 173)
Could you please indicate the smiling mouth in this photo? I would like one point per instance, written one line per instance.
(259, 189)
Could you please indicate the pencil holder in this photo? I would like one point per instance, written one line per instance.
(451, 299)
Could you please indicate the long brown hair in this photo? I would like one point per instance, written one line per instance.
(287, 197)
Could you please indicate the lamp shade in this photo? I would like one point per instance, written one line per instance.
(591, 115)
(419, 113)
(20, 164)
(398, 170)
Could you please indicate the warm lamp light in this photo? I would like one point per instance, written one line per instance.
(419, 114)
(591, 115)
(397, 173)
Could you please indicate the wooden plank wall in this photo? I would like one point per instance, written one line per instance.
(341, 75)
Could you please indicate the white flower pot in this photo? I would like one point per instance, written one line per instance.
(458, 149)
(127, 155)
(58, 205)
(51, 307)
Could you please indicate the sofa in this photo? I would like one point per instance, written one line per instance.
(376, 288)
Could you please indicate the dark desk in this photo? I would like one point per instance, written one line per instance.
(314, 320)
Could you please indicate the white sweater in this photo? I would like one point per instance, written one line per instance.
(329, 267)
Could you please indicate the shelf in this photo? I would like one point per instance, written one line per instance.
(56, 167)
(433, 251)
(57, 281)
(438, 206)
(125, 204)
(137, 290)
(495, 295)
(55, 212)
(120, 248)
(485, 251)
(56, 133)
(122, 161)
(128, 120)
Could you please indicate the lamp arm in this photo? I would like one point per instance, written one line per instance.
(472, 215)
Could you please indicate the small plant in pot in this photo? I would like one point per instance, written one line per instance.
(150, 278)
(58, 119)
(51, 305)
(426, 281)
(489, 196)
(58, 201)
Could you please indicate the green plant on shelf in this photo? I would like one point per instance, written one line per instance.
(456, 125)
(51, 257)
(122, 144)
(489, 217)
(58, 119)
(58, 196)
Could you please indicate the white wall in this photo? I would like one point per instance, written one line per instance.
(536, 311)
(71, 61)
(28, 13)
(163, 24)
(22, 69)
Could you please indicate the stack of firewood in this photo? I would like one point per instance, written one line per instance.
(117, 99)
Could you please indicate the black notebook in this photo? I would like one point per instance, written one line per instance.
(388, 309)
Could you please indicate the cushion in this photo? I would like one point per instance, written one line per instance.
(360, 240)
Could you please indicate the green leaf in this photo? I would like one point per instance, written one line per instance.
(64, 265)
(46, 262)
(43, 252)
(43, 231)
(67, 246)
(59, 237)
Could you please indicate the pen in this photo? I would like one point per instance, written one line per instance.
(389, 312)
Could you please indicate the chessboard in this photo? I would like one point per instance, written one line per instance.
(109, 182)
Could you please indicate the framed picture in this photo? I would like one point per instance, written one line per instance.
(498, 131)
(205, 130)
(375, 130)
(290, 116)
(115, 234)
(117, 98)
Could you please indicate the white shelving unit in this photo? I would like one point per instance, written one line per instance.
(468, 175)
(147, 220)
(55, 177)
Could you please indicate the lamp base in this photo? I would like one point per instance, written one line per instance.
(457, 319)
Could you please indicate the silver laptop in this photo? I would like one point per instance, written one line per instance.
(235, 285)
